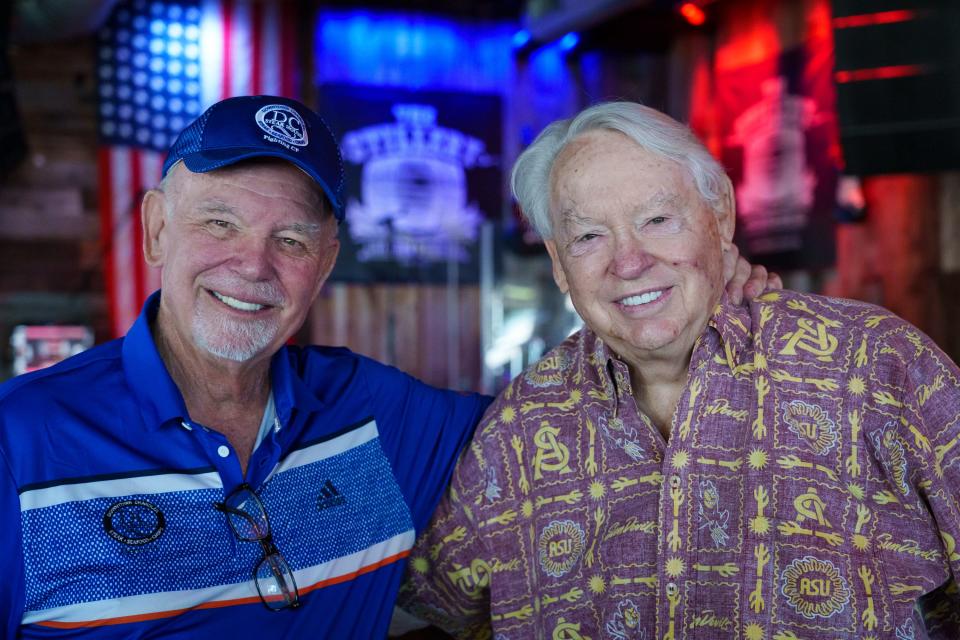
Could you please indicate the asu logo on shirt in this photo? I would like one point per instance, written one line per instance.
(814, 587)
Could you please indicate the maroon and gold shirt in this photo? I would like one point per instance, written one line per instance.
(809, 489)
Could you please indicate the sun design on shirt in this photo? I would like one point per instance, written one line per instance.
(757, 459)
(675, 567)
(598, 584)
(856, 385)
(420, 564)
(856, 490)
(753, 631)
(680, 459)
(526, 508)
(597, 490)
(760, 524)
(508, 414)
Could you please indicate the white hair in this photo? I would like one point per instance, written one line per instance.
(168, 187)
(654, 131)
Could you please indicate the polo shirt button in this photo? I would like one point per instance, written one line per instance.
(223, 450)
(674, 481)
(671, 588)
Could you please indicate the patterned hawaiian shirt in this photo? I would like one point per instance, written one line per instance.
(810, 489)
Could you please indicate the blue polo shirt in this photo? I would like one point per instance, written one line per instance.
(107, 487)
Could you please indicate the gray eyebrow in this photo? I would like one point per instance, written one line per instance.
(660, 200)
(216, 206)
(569, 216)
(308, 228)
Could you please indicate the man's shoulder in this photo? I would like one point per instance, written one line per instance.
(552, 376)
(321, 362)
(551, 373)
(836, 315)
(74, 378)
(822, 328)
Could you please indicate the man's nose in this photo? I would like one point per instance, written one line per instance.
(254, 259)
(631, 257)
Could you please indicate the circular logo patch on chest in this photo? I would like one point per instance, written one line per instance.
(815, 588)
(134, 522)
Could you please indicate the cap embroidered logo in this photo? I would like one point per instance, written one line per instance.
(283, 123)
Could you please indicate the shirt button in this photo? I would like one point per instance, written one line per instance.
(223, 451)
(674, 481)
(671, 588)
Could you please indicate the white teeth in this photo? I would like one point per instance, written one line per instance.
(643, 298)
(237, 304)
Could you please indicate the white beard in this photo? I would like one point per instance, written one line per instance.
(232, 339)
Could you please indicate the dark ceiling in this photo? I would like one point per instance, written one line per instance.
(477, 9)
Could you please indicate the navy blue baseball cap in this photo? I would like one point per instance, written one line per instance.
(247, 127)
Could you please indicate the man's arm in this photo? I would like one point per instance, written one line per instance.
(930, 420)
(447, 580)
(11, 559)
(423, 431)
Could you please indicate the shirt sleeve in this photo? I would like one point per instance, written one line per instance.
(447, 580)
(11, 559)
(931, 411)
(931, 417)
(422, 429)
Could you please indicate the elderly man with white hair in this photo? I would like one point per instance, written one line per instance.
(685, 467)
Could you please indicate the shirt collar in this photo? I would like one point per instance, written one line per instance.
(734, 326)
(290, 393)
(160, 400)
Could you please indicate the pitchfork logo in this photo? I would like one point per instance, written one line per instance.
(282, 123)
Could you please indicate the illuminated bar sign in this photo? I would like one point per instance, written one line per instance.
(423, 171)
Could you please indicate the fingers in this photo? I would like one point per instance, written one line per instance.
(774, 282)
(741, 274)
(757, 282)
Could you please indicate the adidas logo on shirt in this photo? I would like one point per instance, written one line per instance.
(329, 496)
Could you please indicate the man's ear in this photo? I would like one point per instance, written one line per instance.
(153, 217)
(727, 218)
(559, 275)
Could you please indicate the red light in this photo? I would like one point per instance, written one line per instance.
(869, 19)
(880, 73)
(693, 14)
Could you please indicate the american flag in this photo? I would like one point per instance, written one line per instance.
(159, 65)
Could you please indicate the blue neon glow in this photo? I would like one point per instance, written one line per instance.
(412, 50)
(569, 41)
(521, 38)
(548, 68)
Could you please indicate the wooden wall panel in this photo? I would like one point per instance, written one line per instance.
(417, 328)
(50, 268)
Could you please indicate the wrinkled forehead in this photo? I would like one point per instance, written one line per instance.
(601, 165)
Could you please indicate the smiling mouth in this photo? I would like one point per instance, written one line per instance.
(643, 298)
(239, 305)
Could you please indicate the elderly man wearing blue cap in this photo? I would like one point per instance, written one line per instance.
(199, 478)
